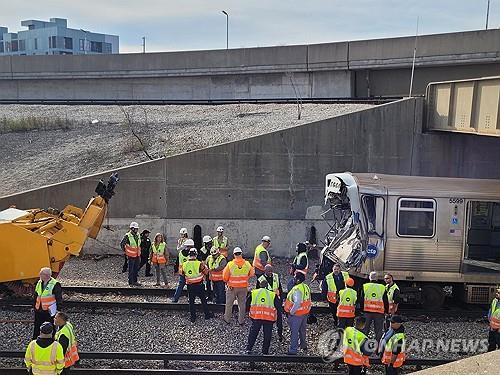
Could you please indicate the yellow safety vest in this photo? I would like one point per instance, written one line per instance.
(256, 259)
(332, 288)
(274, 287)
(158, 256)
(305, 305)
(400, 358)
(347, 300)
(297, 260)
(352, 347)
(71, 355)
(133, 247)
(45, 298)
(495, 314)
(262, 305)
(238, 277)
(214, 263)
(219, 245)
(390, 296)
(191, 269)
(44, 361)
(374, 297)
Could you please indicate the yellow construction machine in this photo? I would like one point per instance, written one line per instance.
(36, 238)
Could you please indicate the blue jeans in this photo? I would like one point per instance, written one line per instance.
(133, 269)
(297, 332)
(219, 289)
(180, 286)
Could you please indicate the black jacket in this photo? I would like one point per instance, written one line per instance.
(145, 246)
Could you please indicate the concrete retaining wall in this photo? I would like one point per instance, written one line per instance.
(273, 184)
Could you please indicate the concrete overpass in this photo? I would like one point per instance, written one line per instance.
(367, 68)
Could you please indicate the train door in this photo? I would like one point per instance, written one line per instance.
(482, 250)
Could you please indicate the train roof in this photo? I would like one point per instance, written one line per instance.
(428, 186)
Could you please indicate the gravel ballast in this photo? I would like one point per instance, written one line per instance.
(73, 141)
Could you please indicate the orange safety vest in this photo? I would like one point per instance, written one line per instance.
(387, 357)
(262, 305)
(305, 305)
(71, 356)
(214, 263)
(256, 259)
(238, 276)
(158, 256)
(133, 248)
(347, 300)
(373, 298)
(45, 298)
(297, 260)
(331, 295)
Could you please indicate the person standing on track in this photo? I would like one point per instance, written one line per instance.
(494, 318)
(216, 263)
(181, 259)
(47, 299)
(346, 306)
(300, 263)
(145, 252)
(159, 258)
(392, 346)
(65, 336)
(298, 306)
(43, 354)
(221, 242)
(356, 353)
(193, 270)
(374, 303)
(131, 246)
(261, 257)
(333, 283)
(273, 284)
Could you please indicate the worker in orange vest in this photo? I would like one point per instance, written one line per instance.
(346, 306)
(261, 257)
(131, 246)
(375, 304)
(298, 306)
(47, 299)
(356, 353)
(236, 275)
(194, 272)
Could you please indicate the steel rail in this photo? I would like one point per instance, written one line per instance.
(240, 358)
(373, 100)
(131, 371)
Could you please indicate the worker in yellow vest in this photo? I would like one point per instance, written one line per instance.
(131, 247)
(298, 306)
(216, 263)
(494, 318)
(221, 242)
(263, 312)
(194, 271)
(182, 257)
(236, 275)
(44, 356)
(261, 257)
(273, 284)
(346, 306)
(333, 283)
(47, 299)
(300, 263)
(356, 353)
(65, 335)
(392, 346)
(374, 303)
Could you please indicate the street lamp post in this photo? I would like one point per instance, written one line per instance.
(227, 29)
(487, 14)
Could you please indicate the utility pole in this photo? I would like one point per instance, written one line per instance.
(487, 14)
(143, 44)
(227, 29)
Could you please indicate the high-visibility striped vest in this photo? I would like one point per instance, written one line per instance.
(393, 307)
(495, 314)
(191, 269)
(212, 264)
(158, 256)
(352, 347)
(180, 242)
(332, 288)
(238, 276)
(256, 259)
(71, 355)
(44, 361)
(400, 358)
(262, 305)
(347, 300)
(133, 247)
(45, 298)
(305, 305)
(221, 245)
(374, 298)
(182, 259)
(275, 286)
(298, 259)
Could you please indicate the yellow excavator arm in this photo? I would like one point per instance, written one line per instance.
(36, 238)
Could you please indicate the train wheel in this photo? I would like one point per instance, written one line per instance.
(432, 296)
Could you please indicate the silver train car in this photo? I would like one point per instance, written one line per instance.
(434, 235)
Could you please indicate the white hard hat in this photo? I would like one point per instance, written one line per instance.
(237, 250)
(133, 224)
(183, 231)
(193, 252)
(189, 242)
(220, 229)
(373, 276)
(266, 238)
(207, 239)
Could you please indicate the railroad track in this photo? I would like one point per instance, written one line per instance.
(251, 360)
(375, 101)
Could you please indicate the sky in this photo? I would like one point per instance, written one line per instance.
(200, 24)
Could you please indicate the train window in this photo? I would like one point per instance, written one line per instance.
(374, 211)
(416, 217)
